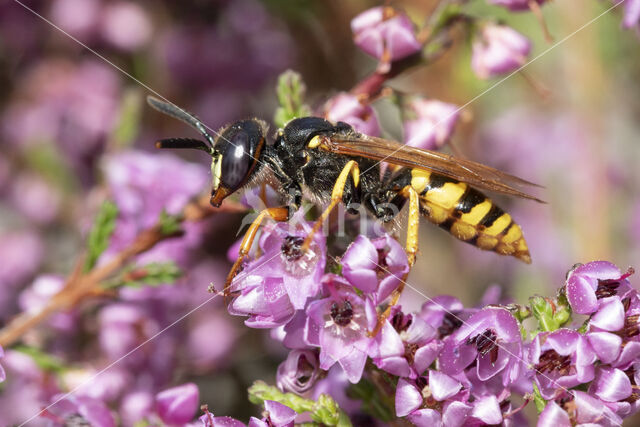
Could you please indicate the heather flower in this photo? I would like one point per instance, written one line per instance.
(591, 282)
(579, 408)
(348, 108)
(610, 384)
(3, 375)
(276, 415)
(122, 328)
(445, 313)
(490, 338)
(282, 279)
(178, 405)
(385, 34)
(375, 266)
(36, 296)
(515, 5)
(76, 17)
(562, 358)
(208, 420)
(631, 16)
(35, 198)
(430, 124)
(497, 50)
(419, 399)
(79, 410)
(406, 346)
(338, 324)
(135, 406)
(141, 189)
(299, 372)
(125, 25)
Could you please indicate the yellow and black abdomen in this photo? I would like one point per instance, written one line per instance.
(468, 214)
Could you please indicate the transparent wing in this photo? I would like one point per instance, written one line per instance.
(475, 174)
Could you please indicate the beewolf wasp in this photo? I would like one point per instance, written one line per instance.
(313, 156)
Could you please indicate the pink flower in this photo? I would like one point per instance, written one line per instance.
(515, 5)
(178, 405)
(498, 50)
(385, 34)
(126, 25)
(432, 123)
(345, 107)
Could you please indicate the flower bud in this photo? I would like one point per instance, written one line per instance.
(299, 372)
(497, 50)
(432, 125)
(178, 405)
(347, 108)
(386, 34)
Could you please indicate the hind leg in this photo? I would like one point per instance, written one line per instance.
(411, 247)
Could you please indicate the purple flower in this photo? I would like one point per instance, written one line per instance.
(208, 420)
(348, 108)
(497, 50)
(562, 358)
(491, 338)
(338, 324)
(375, 265)
(299, 372)
(141, 189)
(385, 34)
(418, 399)
(578, 408)
(77, 17)
(3, 375)
(610, 384)
(406, 346)
(39, 293)
(125, 25)
(515, 5)
(135, 406)
(553, 416)
(631, 17)
(277, 415)
(281, 281)
(122, 328)
(594, 281)
(80, 410)
(432, 125)
(178, 405)
(35, 198)
(445, 313)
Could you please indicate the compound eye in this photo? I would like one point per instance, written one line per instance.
(239, 146)
(237, 160)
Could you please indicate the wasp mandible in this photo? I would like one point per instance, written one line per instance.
(336, 164)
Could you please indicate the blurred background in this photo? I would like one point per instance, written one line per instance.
(74, 130)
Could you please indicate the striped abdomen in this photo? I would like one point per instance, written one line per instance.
(468, 214)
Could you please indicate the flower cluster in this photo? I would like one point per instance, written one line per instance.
(451, 365)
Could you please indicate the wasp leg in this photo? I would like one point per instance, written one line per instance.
(278, 214)
(336, 197)
(411, 247)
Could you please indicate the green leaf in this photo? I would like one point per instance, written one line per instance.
(538, 399)
(169, 224)
(45, 361)
(551, 315)
(100, 233)
(290, 91)
(324, 411)
(153, 274)
(128, 124)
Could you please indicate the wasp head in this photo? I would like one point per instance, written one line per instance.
(234, 152)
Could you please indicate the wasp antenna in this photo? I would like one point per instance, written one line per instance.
(180, 114)
(184, 143)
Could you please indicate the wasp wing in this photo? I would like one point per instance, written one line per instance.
(476, 174)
